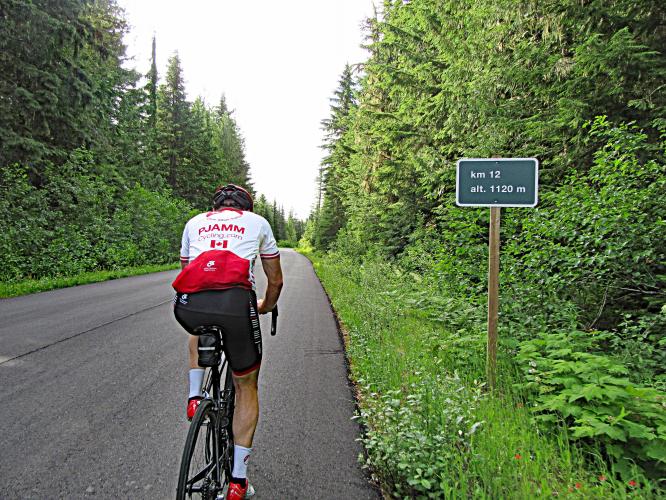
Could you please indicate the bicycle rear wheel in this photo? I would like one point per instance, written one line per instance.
(199, 468)
(226, 434)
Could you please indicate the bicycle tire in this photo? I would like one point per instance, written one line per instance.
(229, 397)
(198, 456)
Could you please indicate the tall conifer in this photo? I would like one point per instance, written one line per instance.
(331, 215)
(152, 86)
(173, 121)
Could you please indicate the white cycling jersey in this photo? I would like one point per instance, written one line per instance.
(221, 247)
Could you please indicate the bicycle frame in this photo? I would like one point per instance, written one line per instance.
(218, 433)
(220, 399)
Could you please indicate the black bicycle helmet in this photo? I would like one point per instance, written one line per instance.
(239, 196)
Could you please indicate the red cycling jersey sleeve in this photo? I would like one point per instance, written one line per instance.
(221, 248)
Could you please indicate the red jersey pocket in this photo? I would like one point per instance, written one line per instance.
(214, 270)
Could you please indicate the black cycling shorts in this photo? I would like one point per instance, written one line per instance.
(235, 311)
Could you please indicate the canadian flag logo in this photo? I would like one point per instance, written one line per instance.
(215, 244)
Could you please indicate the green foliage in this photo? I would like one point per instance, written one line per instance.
(147, 227)
(231, 144)
(287, 244)
(97, 172)
(287, 231)
(76, 222)
(578, 85)
(330, 215)
(59, 65)
(589, 258)
(594, 240)
(446, 80)
(574, 380)
(430, 429)
(19, 232)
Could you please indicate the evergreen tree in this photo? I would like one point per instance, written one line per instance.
(331, 216)
(293, 229)
(232, 146)
(151, 87)
(202, 165)
(60, 75)
(173, 123)
(446, 80)
(105, 157)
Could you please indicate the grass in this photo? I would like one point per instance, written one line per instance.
(15, 289)
(432, 430)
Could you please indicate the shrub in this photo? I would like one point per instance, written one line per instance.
(146, 227)
(573, 380)
(80, 221)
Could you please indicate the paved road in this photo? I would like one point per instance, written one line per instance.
(93, 389)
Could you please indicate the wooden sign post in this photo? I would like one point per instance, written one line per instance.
(496, 183)
(493, 295)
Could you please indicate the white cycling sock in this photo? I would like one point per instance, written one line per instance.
(241, 457)
(196, 381)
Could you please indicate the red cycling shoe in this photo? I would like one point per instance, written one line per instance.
(192, 405)
(237, 491)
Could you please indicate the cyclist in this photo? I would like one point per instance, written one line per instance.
(216, 287)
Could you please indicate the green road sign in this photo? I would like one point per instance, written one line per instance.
(497, 182)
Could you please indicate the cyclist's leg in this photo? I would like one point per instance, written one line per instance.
(192, 344)
(246, 412)
(195, 377)
(191, 318)
(242, 343)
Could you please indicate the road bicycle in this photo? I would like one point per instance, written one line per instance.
(207, 462)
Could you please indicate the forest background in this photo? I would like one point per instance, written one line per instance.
(580, 85)
(101, 166)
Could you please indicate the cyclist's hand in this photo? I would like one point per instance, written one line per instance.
(260, 307)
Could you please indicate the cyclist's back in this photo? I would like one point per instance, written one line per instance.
(221, 247)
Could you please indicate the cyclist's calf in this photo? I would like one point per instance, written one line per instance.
(246, 412)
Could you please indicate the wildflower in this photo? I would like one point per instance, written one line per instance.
(578, 486)
(602, 478)
(517, 456)
(632, 483)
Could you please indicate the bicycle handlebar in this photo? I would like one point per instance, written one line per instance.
(274, 315)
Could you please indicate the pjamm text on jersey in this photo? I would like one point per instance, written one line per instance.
(222, 227)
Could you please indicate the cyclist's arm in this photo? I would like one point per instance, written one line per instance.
(273, 272)
(185, 249)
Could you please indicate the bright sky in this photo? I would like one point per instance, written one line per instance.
(277, 63)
